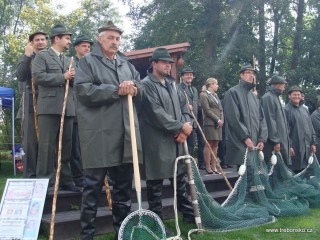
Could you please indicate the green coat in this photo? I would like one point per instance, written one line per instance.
(301, 134)
(160, 120)
(102, 114)
(277, 125)
(47, 72)
(244, 118)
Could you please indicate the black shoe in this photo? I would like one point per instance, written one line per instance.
(209, 172)
(71, 188)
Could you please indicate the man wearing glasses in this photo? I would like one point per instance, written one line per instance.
(244, 118)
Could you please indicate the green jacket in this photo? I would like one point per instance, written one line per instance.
(244, 118)
(47, 71)
(102, 114)
(160, 119)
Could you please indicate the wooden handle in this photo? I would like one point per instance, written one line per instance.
(134, 146)
(108, 193)
(56, 185)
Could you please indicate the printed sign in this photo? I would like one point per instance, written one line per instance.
(21, 208)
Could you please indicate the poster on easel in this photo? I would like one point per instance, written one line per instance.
(21, 208)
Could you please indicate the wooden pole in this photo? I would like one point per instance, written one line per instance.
(56, 185)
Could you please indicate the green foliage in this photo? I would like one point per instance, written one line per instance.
(224, 35)
(19, 18)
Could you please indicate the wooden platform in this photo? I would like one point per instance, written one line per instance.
(68, 206)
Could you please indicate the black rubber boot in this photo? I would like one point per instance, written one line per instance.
(90, 198)
(154, 191)
(121, 177)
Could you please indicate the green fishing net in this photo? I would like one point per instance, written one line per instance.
(240, 215)
(285, 183)
(311, 174)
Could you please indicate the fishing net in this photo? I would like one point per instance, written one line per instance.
(311, 174)
(285, 183)
(142, 224)
(214, 217)
(253, 188)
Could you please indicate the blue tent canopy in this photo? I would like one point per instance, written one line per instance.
(7, 97)
(6, 94)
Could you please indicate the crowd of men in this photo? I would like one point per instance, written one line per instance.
(96, 135)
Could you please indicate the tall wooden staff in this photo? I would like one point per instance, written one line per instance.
(108, 193)
(56, 185)
(204, 137)
(35, 108)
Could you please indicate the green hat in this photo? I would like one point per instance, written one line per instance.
(161, 54)
(111, 27)
(82, 38)
(31, 36)
(187, 70)
(247, 67)
(293, 89)
(277, 79)
(58, 30)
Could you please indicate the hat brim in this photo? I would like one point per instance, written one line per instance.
(246, 69)
(162, 59)
(295, 90)
(78, 42)
(103, 29)
(33, 34)
(187, 72)
(61, 34)
(279, 82)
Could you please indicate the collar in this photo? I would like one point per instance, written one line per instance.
(275, 91)
(55, 51)
(248, 86)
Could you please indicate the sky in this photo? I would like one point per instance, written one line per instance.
(70, 5)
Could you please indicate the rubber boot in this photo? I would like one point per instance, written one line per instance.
(154, 192)
(121, 177)
(90, 198)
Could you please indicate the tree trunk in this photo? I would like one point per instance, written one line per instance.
(276, 21)
(262, 47)
(297, 42)
(212, 16)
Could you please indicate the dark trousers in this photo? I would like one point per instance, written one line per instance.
(30, 146)
(49, 127)
(75, 162)
(121, 196)
(29, 141)
(154, 191)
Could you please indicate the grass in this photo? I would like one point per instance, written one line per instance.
(309, 222)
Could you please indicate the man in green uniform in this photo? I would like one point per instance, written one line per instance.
(187, 76)
(37, 42)
(82, 46)
(104, 79)
(245, 124)
(301, 132)
(51, 71)
(278, 136)
(163, 130)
